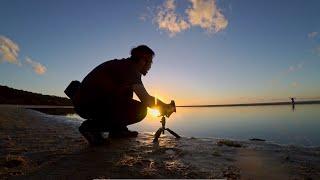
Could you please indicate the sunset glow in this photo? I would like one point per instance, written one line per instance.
(154, 112)
(200, 54)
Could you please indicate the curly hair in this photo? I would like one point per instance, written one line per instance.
(141, 49)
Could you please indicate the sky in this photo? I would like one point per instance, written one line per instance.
(206, 51)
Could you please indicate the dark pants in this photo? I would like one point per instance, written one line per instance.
(114, 116)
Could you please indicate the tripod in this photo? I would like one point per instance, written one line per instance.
(162, 129)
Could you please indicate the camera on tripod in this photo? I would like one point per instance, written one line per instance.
(166, 113)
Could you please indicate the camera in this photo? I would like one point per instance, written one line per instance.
(168, 111)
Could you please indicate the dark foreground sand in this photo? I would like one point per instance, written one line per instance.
(34, 145)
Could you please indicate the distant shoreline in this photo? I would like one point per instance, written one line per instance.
(253, 104)
(37, 107)
(15, 97)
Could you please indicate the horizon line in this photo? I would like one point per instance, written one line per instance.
(254, 104)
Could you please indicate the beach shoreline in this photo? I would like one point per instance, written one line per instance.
(38, 146)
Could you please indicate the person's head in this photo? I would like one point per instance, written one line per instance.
(142, 55)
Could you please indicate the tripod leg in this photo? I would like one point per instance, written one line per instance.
(157, 135)
(173, 133)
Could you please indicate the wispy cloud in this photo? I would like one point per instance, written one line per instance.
(313, 35)
(36, 66)
(296, 67)
(143, 17)
(276, 80)
(201, 13)
(9, 50)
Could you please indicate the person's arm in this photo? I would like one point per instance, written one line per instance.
(144, 96)
(165, 109)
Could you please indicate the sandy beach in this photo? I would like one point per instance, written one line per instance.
(34, 145)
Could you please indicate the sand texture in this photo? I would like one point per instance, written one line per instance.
(34, 145)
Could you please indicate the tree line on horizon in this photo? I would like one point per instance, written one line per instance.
(14, 96)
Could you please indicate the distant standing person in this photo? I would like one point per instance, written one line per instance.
(292, 101)
(105, 97)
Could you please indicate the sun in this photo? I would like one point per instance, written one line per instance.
(154, 112)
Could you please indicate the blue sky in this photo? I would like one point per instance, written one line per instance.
(239, 51)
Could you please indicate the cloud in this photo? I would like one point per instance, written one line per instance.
(168, 20)
(294, 68)
(37, 67)
(202, 13)
(9, 50)
(276, 80)
(170, 4)
(312, 35)
(206, 14)
(143, 17)
(316, 49)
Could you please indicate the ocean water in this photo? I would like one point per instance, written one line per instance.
(279, 124)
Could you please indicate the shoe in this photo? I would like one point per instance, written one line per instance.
(123, 134)
(93, 138)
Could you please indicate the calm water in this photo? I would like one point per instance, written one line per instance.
(279, 124)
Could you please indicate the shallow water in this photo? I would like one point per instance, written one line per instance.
(280, 124)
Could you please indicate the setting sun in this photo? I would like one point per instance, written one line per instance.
(154, 112)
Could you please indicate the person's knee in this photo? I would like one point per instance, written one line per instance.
(142, 113)
(133, 112)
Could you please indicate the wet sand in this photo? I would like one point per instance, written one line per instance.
(34, 145)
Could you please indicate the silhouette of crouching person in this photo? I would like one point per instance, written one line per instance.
(105, 97)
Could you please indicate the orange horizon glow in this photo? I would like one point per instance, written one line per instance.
(184, 98)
